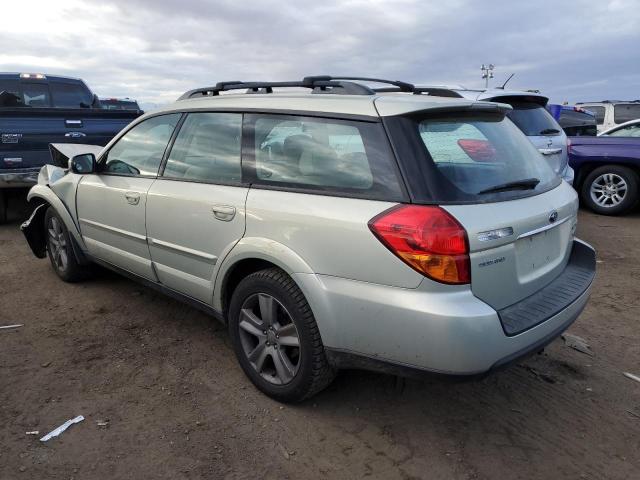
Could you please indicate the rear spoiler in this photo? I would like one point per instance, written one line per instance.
(61, 153)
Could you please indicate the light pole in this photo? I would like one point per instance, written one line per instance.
(487, 73)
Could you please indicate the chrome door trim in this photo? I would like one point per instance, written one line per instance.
(542, 229)
(189, 251)
(119, 231)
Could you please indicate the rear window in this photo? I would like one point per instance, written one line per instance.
(119, 105)
(329, 155)
(70, 95)
(470, 155)
(623, 112)
(576, 123)
(533, 119)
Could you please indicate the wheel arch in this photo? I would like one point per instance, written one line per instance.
(250, 255)
(42, 195)
(586, 168)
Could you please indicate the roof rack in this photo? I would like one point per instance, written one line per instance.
(343, 85)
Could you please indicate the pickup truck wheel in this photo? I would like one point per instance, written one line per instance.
(60, 250)
(3, 207)
(610, 190)
(275, 337)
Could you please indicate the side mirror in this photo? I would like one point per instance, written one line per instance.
(83, 164)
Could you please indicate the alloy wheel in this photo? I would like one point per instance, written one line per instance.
(57, 244)
(269, 338)
(608, 190)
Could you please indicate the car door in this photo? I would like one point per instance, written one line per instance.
(195, 210)
(111, 203)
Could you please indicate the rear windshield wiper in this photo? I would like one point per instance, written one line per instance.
(525, 184)
(549, 131)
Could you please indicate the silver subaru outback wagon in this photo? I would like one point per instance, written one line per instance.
(330, 225)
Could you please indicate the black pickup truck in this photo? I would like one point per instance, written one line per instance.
(36, 110)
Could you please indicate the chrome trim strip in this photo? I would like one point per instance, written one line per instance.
(119, 231)
(189, 251)
(543, 229)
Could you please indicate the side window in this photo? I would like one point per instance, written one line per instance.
(140, 150)
(597, 111)
(207, 148)
(623, 112)
(69, 95)
(328, 155)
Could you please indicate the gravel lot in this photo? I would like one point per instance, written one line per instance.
(163, 377)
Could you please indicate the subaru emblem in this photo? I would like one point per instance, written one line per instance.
(553, 216)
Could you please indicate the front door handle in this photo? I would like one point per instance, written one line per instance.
(549, 151)
(133, 198)
(224, 212)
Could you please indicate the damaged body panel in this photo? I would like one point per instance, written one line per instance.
(56, 187)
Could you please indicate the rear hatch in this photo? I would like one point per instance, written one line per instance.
(479, 167)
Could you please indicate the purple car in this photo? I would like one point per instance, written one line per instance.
(607, 169)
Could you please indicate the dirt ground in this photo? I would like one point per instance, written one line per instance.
(164, 379)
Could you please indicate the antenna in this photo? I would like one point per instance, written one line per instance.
(507, 81)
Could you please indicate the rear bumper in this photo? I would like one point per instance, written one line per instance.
(19, 177)
(455, 333)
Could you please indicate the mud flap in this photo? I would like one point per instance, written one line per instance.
(34, 232)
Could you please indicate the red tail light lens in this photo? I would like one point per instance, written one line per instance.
(428, 239)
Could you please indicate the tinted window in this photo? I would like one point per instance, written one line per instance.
(10, 93)
(207, 148)
(628, 131)
(597, 111)
(321, 154)
(576, 123)
(70, 95)
(623, 112)
(36, 94)
(140, 150)
(474, 153)
(533, 119)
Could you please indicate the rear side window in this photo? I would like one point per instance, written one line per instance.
(623, 112)
(597, 111)
(533, 119)
(70, 95)
(330, 155)
(469, 158)
(207, 148)
(140, 150)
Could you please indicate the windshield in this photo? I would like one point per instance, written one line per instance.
(533, 119)
(483, 158)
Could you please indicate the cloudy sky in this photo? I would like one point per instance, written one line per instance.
(154, 50)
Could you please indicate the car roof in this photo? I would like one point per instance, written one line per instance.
(386, 104)
(55, 78)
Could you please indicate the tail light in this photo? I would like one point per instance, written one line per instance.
(568, 146)
(426, 238)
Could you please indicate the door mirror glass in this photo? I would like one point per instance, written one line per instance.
(83, 164)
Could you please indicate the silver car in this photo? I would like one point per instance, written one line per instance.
(342, 227)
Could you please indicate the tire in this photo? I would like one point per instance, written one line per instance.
(60, 250)
(610, 190)
(4, 207)
(268, 316)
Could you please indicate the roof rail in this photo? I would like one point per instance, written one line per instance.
(324, 84)
(318, 84)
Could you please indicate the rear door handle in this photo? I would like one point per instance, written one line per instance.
(133, 198)
(549, 151)
(224, 212)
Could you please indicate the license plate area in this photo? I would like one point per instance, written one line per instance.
(538, 253)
